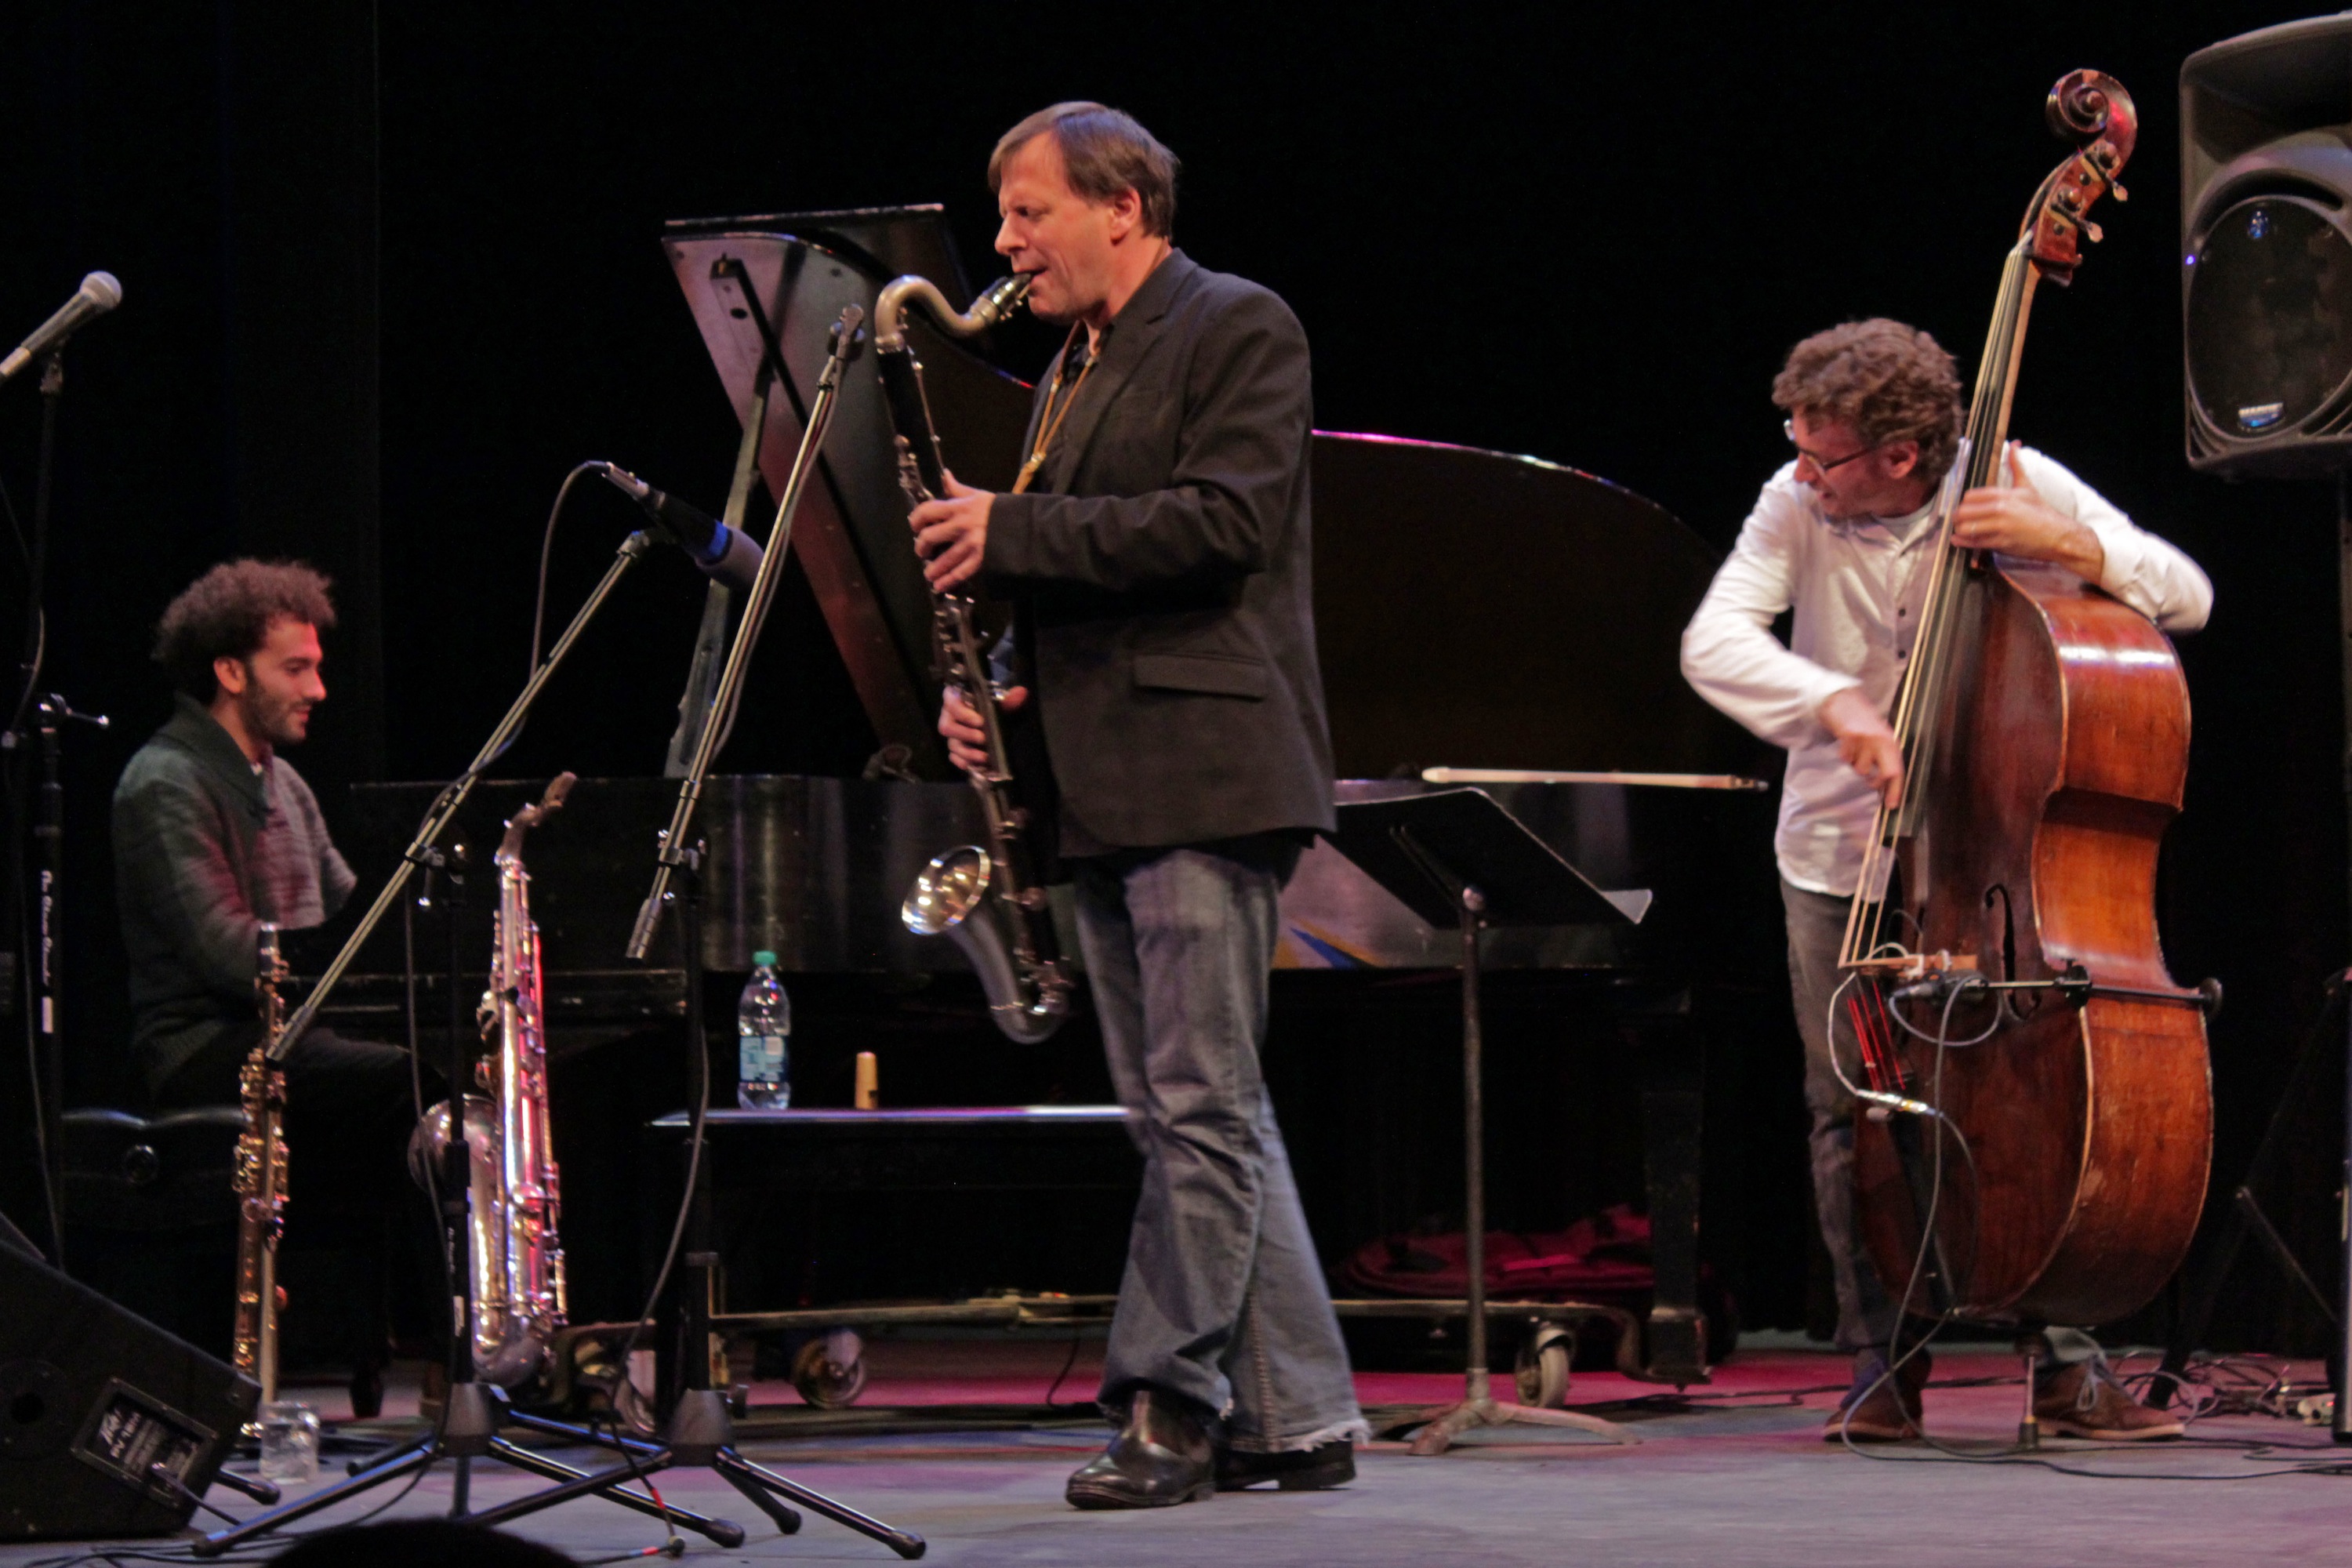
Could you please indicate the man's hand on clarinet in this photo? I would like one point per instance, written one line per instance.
(1865, 742)
(966, 742)
(951, 536)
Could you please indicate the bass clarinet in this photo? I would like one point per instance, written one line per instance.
(988, 900)
(261, 1178)
(518, 1267)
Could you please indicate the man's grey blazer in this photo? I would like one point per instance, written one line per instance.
(1159, 571)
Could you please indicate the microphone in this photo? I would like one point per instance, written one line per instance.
(99, 294)
(725, 554)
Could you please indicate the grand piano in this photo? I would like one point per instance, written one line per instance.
(1474, 610)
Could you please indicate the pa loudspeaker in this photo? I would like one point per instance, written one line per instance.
(91, 1399)
(2267, 228)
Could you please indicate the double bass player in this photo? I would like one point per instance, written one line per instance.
(1841, 536)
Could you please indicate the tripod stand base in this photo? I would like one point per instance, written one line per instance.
(1447, 1422)
(611, 1484)
(702, 1435)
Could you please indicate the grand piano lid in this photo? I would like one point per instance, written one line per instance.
(795, 272)
(888, 241)
(1476, 608)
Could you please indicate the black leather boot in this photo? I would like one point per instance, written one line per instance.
(1161, 1458)
(1320, 1469)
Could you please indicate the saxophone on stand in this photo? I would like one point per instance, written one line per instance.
(261, 1179)
(988, 901)
(517, 1263)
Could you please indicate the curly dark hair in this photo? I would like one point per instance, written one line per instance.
(226, 613)
(1889, 381)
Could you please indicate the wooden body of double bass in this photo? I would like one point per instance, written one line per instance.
(2059, 763)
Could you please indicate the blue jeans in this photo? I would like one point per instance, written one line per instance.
(1866, 1314)
(1224, 1301)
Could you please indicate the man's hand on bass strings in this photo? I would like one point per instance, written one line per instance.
(951, 536)
(966, 742)
(2015, 520)
(1866, 742)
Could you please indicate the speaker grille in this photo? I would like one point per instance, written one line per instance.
(2270, 316)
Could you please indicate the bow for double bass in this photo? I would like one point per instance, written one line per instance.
(2040, 1121)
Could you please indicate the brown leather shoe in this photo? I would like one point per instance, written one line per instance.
(1878, 1408)
(2083, 1400)
(1162, 1456)
(1315, 1469)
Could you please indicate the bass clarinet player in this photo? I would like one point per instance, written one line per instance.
(1156, 552)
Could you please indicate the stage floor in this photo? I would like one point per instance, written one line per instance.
(1736, 1473)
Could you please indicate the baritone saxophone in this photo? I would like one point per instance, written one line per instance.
(517, 1262)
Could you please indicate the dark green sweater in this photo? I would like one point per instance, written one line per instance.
(206, 847)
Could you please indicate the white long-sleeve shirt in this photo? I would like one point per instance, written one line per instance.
(1856, 588)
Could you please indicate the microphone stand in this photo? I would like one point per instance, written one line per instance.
(40, 919)
(473, 1412)
(848, 341)
(444, 809)
(700, 1431)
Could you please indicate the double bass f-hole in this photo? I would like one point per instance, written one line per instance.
(1999, 892)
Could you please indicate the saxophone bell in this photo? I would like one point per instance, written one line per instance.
(506, 1353)
(956, 897)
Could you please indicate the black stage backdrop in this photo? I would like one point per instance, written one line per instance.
(389, 273)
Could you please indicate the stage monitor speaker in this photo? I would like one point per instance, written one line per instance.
(2266, 231)
(91, 1399)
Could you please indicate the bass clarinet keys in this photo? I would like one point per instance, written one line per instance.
(987, 900)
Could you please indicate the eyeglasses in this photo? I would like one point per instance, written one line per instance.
(1824, 465)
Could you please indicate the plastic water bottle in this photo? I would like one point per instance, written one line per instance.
(763, 1033)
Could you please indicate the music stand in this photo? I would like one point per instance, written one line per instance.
(1456, 857)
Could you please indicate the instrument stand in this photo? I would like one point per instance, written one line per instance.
(2245, 1214)
(474, 1412)
(1457, 858)
(2246, 1221)
(700, 1431)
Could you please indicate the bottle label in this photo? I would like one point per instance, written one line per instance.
(760, 1058)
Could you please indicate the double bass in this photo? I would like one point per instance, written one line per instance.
(2037, 1098)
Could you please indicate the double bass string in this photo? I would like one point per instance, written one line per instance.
(1919, 700)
